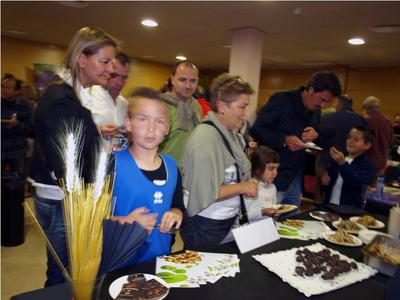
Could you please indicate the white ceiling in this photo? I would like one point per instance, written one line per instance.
(197, 30)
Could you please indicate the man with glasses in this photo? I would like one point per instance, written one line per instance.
(287, 122)
(184, 111)
(108, 107)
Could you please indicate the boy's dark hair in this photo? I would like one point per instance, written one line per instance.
(325, 81)
(146, 92)
(261, 156)
(367, 134)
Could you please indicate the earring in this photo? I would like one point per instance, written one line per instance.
(82, 66)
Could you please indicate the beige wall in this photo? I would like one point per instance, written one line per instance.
(18, 57)
(358, 83)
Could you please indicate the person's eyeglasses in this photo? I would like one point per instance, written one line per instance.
(115, 75)
(227, 84)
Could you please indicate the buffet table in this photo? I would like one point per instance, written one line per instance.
(253, 282)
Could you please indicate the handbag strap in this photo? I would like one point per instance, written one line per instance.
(243, 210)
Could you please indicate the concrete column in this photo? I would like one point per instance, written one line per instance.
(245, 60)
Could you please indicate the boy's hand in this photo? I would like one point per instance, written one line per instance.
(141, 216)
(337, 156)
(170, 218)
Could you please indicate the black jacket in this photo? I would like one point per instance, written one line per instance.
(356, 176)
(284, 114)
(57, 107)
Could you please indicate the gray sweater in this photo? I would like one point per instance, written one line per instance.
(205, 160)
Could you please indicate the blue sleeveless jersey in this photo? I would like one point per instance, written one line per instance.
(132, 189)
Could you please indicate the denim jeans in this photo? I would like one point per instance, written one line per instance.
(198, 230)
(50, 216)
(292, 195)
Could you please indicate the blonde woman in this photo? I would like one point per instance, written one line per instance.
(88, 62)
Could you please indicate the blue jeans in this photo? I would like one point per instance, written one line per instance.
(198, 230)
(50, 216)
(292, 195)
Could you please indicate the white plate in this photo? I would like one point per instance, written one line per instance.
(336, 223)
(290, 208)
(368, 235)
(378, 224)
(315, 216)
(116, 286)
(357, 241)
(311, 145)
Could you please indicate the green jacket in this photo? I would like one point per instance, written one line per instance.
(184, 117)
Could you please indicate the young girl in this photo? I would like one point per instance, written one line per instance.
(147, 185)
(264, 168)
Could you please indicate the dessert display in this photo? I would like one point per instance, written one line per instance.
(324, 216)
(138, 287)
(193, 269)
(293, 223)
(368, 221)
(284, 208)
(383, 253)
(322, 263)
(187, 257)
(341, 237)
(348, 225)
(301, 230)
(315, 269)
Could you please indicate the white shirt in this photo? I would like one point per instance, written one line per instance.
(104, 109)
(337, 188)
(266, 198)
(226, 209)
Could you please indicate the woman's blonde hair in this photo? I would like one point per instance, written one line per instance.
(88, 41)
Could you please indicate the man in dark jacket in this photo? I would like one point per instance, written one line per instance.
(15, 125)
(287, 122)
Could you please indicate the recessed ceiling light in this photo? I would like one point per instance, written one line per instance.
(356, 41)
(181, 57)
(16, 32)
(297, 11)
(149, 23)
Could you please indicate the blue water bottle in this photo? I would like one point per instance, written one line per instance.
(379, 187)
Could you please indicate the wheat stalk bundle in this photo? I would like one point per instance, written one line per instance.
(85, 207)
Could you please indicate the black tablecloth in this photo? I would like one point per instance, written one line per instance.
(253, 282)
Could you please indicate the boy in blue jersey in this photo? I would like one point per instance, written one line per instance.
(147, 185)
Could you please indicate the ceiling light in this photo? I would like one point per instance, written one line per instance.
(297, 11)
(149, 23)
(356, 41)
(386, 28)
(181, 57)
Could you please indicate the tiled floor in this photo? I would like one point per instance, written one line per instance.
(23, 267)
